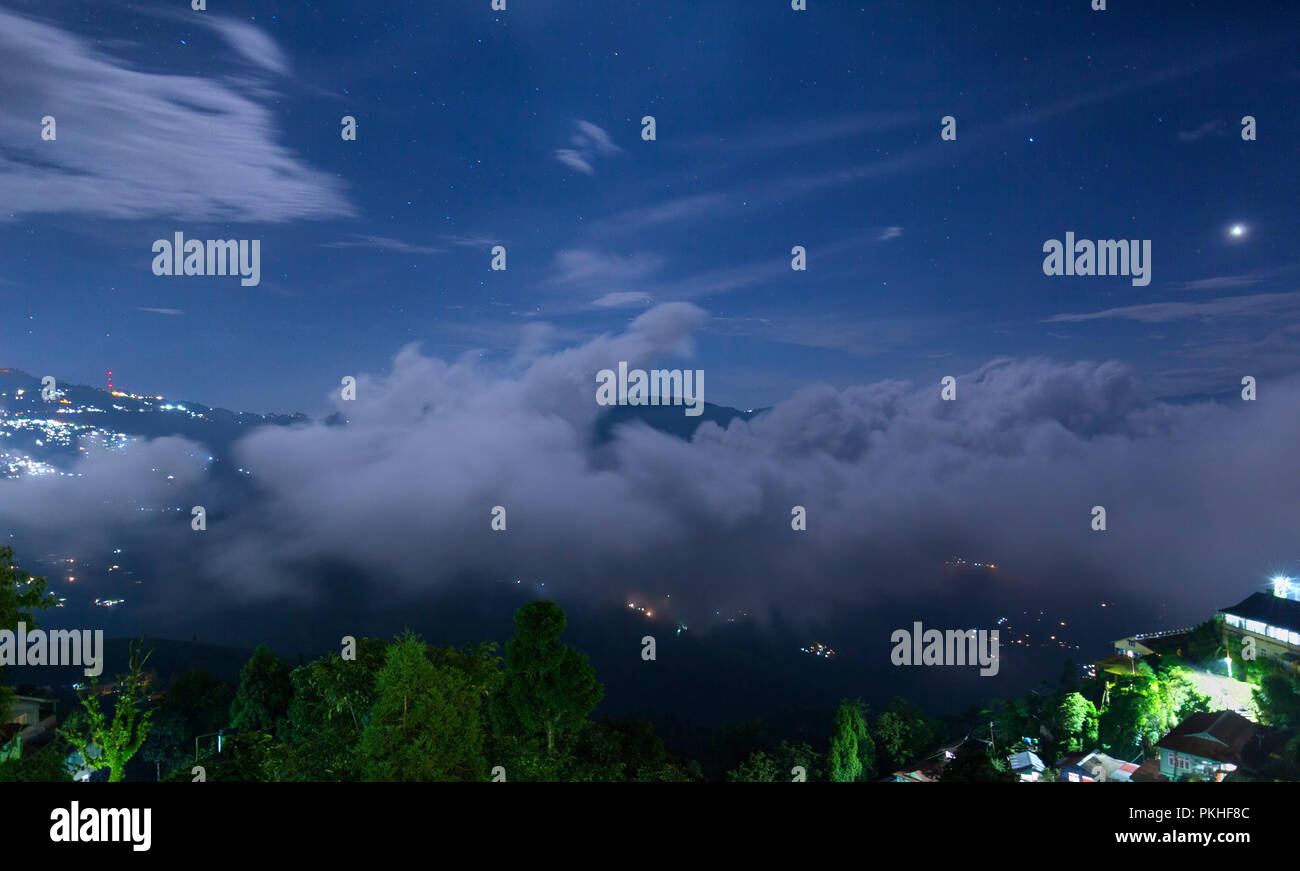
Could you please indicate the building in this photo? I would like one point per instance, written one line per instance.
(1272, 621)
(1149, 772)
(31, 710)
(929, 769)
(36, 720)
(1205, 746)
(1094, 767)
(1132, 647)
(1027, 766)
(924, 772)
(1132, 650)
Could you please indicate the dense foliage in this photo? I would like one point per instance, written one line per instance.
(404, 710)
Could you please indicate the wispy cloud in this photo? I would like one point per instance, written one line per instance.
(589, 142)
(161, 311)
(725, 279)
(381, 243)
(773, 136)
(595, 138)
(935, 153)
(134, 144)
(1199, 133)
(586, 267)
(1256, 305)
(253, 44)
(667, 212)
(749, 276)
(861, 337)
(1222, 282)
(575, 159)
(889, 233)
(1245, 279)
(470, 241)
(622, 298)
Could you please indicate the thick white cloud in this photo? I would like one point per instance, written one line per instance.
(1200, 497)
(105, 494)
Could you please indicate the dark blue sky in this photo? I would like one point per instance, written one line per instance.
(775, 128)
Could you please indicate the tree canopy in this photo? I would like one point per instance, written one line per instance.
(549, 686)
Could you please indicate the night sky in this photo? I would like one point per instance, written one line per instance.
(775, 128)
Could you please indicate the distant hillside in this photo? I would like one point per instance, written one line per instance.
(169, 659)
(670, 419)
(82, 409)
(37, 436)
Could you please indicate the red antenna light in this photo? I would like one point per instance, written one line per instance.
(110, 379)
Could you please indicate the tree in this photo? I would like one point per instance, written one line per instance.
(1205, 642)
(1069, 680)
(549, 687)
(244, 758)
(787, 755)
(1278, 700)
(974, 764)
(169, 745)
(1010, 720)
(47, 765)
(852, 752)
(424, 724)
(1143, 707)
(118, 739)
(777, 766)
(620, 749)
(20, 594)
(332, 699)
(195, 704)
(1177, 698)
(903, 732)
(1291, 756)
(479, 662)
(1076, 723)
(1131, 719)
(735, 742)
(758, 768)
(265, 689)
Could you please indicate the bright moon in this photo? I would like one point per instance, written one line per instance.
(1237, 231)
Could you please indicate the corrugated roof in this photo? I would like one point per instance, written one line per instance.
(1026, 759)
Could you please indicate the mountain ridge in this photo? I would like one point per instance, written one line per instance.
(36, 434)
